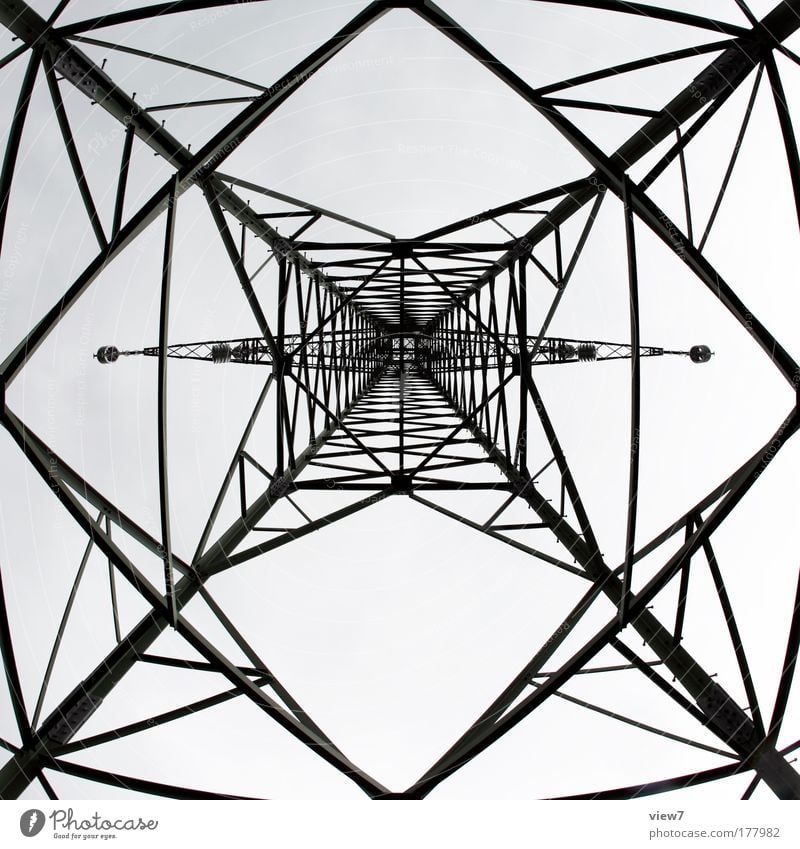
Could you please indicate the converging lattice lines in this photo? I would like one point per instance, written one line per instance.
(350, 362)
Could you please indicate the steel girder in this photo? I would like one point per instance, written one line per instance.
(716, 706)
(389, 287)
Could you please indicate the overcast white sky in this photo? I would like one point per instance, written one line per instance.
(396, 627)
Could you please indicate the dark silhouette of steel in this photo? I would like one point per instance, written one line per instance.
(431, 336)
(414, 348)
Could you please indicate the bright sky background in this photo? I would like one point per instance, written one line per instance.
(396, 627)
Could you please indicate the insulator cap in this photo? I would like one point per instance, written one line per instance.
(221, 353)
(587, 352)
(565, 351)
(107, 354)
(700, 353)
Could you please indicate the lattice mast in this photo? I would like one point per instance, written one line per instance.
(418, 349)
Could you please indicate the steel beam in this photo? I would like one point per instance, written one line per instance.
(719, 80)
(715, 703)
(94, 83)
(26, 763)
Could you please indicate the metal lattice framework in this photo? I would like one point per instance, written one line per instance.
(402, 367)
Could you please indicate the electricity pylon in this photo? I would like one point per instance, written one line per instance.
(412, 349)
(401, 367)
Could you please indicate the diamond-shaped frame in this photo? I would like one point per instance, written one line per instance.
(432, 331)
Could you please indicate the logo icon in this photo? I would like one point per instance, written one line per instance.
(31, 822)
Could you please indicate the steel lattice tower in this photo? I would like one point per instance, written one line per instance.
(400, 367)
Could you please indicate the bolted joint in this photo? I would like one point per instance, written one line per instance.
(77, 70)
(401, 484)
(402, 250)
(281, 486)
(282, 366)
(71, 722)
(724, 73)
